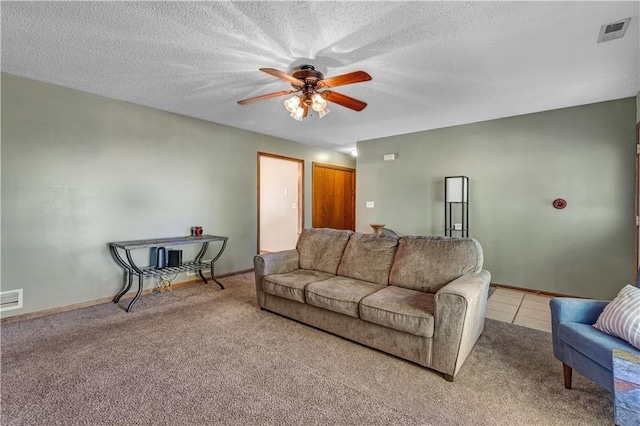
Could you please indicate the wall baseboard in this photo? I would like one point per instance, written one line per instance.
(191, 283)
(529, 290)
(52, 311)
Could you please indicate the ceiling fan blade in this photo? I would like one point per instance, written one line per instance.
(283, 75)
(267, 96)
(344, 100)
(341, 80)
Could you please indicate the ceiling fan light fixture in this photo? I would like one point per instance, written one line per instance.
(298, 114)
(318, 102)
(292, 104)
(324, 111)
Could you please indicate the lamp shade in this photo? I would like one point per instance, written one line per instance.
(318, 103)
(456, 189)
(292, 104)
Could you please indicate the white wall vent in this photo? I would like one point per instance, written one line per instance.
(11, 299)
(613, 30)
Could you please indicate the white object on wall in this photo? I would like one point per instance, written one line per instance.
(10, 299)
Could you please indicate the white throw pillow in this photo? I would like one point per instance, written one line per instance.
(621, 317)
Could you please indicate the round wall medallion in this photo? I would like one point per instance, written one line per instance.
(559, 203)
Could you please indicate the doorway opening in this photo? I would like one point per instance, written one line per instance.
(280, 202)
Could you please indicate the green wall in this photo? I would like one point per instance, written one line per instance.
(517, 166)
(80, 170)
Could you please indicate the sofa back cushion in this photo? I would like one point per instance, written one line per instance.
(369, 257)
(321, 249)
(429, 263)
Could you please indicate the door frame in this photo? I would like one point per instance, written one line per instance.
(314, 165)
(300, 190)
(637, 202)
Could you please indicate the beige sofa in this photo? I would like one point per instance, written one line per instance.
(419, 298)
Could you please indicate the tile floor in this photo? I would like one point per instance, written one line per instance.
(520, 307)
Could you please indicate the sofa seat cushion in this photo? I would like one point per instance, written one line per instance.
(340, 294)
(400, 308)
(291, 285)
(591, 342)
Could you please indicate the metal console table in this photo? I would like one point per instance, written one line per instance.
(131, 269)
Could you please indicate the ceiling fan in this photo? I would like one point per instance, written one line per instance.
(312, 87)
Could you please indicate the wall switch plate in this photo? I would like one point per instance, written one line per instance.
(389, 157)
(370, 204)
(294, 205)
(457, 226)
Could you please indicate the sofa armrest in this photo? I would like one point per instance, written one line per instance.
(459, 311)
(584, 311)
(567, 309)
(279, 262)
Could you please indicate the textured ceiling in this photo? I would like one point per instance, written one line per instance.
(434, 64)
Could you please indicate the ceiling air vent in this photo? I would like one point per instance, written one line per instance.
(613, 30)
(11, 299)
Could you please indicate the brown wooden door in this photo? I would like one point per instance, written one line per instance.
(334, 197)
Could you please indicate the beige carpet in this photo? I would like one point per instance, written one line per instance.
(205, 356)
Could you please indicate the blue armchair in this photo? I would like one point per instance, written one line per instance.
(581, 346)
